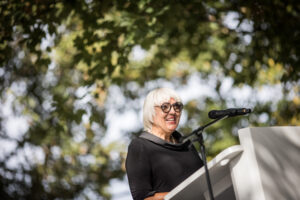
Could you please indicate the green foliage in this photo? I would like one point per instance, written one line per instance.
(51, 51)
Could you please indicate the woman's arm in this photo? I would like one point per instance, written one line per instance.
(157, 196)
(138, 170)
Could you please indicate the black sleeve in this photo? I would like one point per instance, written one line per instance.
(138, 170)
(193, 149)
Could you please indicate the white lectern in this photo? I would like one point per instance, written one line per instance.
(265, 166)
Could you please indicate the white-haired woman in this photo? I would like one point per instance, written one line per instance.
(157, 161)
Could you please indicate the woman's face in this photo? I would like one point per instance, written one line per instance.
(165, 123)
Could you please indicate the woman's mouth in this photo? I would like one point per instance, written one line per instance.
(171, 120)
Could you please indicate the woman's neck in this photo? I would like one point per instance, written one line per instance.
(163, 135)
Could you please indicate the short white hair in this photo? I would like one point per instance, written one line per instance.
(156, 98)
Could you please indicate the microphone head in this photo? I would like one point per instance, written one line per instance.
(214, 114)
(211, 114)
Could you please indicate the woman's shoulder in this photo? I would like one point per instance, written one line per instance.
(137, 143)
(138, 149)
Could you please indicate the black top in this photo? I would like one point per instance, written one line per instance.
(155, 165)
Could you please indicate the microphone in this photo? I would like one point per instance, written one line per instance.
(231, 112)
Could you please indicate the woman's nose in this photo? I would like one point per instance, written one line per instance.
(172, 110)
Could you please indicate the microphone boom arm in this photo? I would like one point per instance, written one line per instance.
(198, 133)
(201, 128)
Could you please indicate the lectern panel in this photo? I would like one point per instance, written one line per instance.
(195, 187)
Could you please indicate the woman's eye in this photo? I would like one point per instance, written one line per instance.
(165, 107)
(178, 106)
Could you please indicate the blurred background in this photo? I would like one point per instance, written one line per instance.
(74, 75)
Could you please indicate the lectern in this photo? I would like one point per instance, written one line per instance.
(265, 166)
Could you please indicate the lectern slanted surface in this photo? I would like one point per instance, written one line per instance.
(195, 187)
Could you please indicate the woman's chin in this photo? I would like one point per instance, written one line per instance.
(172, 127)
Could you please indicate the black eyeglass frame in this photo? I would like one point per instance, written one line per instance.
(177, 106)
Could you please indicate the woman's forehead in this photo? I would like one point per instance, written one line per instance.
(167, 100)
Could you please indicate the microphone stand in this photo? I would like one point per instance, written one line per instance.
(198, 132)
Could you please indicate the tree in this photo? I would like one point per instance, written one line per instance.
(64, 55)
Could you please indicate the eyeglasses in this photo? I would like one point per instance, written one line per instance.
(166, 107)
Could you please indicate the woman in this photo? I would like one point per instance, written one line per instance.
(157, 161)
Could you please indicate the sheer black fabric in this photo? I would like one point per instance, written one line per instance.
(154, 165)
